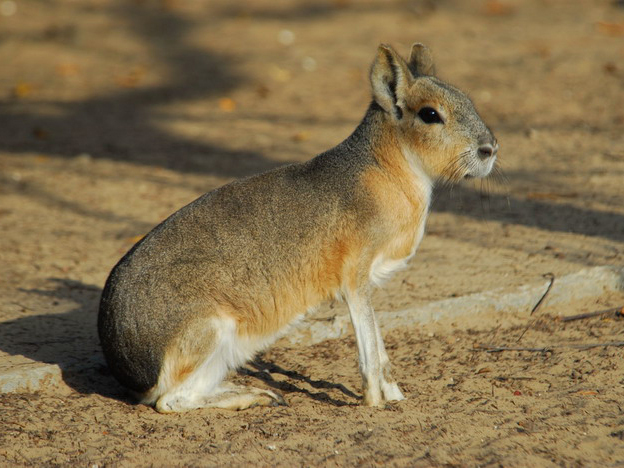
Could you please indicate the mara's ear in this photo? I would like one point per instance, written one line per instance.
(421, 60)
(390, 78)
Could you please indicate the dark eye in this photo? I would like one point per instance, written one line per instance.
(429, 115)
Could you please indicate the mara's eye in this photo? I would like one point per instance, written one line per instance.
(429, 115)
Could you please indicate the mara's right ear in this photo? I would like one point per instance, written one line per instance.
(421, 60)
(390, 79)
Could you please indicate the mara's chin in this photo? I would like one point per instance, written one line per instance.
(481, 169)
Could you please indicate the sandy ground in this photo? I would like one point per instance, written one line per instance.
(116, 113)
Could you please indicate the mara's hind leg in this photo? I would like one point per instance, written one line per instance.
(190, 394)
(239, 397)
(182, 387)
(225, 396)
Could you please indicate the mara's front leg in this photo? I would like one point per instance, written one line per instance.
(389, 387)
(372, 356)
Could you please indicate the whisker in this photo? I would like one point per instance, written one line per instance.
(459, 166)
(487, 192)
(455, 170)
(499, 176)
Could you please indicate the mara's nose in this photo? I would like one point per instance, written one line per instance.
(486, 151)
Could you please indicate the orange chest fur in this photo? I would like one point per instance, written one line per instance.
(402, 205)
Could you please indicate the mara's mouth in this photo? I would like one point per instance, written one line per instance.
(479, 168)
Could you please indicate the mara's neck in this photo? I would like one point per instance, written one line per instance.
(380, 136)
(369, 131)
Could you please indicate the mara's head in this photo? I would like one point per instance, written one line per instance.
(437, 125)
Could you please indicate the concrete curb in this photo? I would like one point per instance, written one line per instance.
(586, 283)
(32, 376)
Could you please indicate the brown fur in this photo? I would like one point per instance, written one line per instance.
(222, 277)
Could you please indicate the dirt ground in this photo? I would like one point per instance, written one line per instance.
(116, 113)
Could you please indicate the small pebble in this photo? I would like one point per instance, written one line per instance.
(286, 37)
(308, 64)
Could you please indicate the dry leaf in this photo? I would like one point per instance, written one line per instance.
(484, 370)
(134, 239)
(550, 195)
(498, 8)
(67, 69)
(527, 425)
(540, 48)
(227, 104)
(40, 133)
(262, 91)
(587, 392)
(610, 68)
(301, 136)
(22, 89)
(610, 29)
(132, 79)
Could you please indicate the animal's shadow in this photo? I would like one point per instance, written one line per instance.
(541, 214)
(265, 369)
(70, 340)
(67, 339)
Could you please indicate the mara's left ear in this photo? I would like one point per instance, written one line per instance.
(421, 61)
(390, 79)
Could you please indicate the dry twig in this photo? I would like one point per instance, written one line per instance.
(591, 314)
(551, 277)
(545, 349)
(594, 345)
(498, 349)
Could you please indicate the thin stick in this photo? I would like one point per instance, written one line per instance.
(595, 345)
(504, 379)
(589, 314)
(545, 349)
(551, 277)
(498, 349)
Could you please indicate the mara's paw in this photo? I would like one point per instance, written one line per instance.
(240, 398)
(392, 392)
(373, 398)
(175, 404)
(269, 398)
(379, 397)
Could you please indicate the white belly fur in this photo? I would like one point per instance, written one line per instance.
(383, 268)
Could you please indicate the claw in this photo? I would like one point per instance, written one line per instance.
(278, 400)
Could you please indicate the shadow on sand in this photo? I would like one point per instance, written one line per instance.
(120, 125)
(70, 341)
